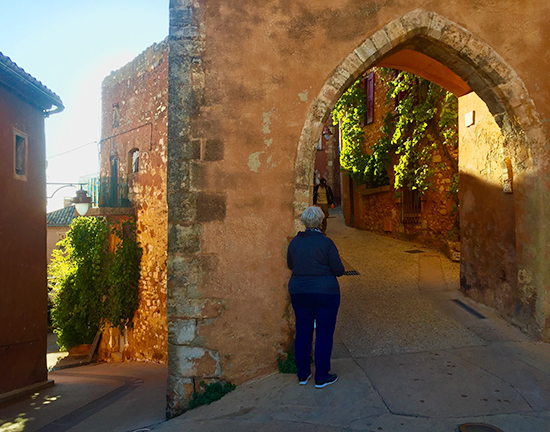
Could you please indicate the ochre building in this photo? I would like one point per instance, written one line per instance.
(250, 88)
(133, 184)
(24, 103)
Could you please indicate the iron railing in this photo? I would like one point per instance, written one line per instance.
(113, 192)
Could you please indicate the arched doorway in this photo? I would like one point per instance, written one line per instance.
(495, 256)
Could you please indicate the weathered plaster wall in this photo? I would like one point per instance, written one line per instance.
(54, 235)
(487, 215)
(23, 283)
(139, 91)
(250, 86)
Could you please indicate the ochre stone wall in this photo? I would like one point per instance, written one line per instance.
(139, 92)
(487, 215)
(251, 85)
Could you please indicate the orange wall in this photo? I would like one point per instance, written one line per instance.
(140, 89)
(488, 267)
(257, 79)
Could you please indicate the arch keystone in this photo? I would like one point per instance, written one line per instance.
(397, 32)
(417, 21)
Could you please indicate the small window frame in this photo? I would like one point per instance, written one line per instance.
(18, 139)
(134, 165)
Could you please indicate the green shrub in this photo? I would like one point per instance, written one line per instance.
(77, 279)
(90, 285)
(212, 392)
(288, 365)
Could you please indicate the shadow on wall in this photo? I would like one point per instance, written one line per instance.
(489, 265)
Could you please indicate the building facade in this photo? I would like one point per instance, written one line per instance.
(24, 103)
(250, 90)
(133, 181)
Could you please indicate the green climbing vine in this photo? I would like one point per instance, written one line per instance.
(123, 277)
(349, 112)
(424, 119)
(91, 285)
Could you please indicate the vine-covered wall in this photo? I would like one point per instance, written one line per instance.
(380, 208)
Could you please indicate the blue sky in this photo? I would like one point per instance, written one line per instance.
(70, 46)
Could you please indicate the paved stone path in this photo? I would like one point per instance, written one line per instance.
(409, 358)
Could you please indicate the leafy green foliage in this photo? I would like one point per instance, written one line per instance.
(77, 278)
(349, 112)
(288, 365)
(90, 284)
(211, 393)
(123, 278)
(425, 119)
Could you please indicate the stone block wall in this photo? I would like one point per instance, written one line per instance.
(134, 118)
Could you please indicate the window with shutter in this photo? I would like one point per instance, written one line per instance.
(370, 98)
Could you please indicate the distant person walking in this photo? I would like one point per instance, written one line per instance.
(315, 296)
(323, 198)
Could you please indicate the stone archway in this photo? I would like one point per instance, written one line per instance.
(507, 99)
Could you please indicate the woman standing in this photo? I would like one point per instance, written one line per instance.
(315, 296)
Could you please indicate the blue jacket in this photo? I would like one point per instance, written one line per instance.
(315, 264)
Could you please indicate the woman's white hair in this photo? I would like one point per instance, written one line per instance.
(312, 217)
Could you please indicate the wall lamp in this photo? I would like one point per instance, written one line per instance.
(81, 201)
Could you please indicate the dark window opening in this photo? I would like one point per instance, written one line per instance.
(114, 180)
(20, 155)
(116, 116)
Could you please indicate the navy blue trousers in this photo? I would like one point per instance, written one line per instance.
(323, 309)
